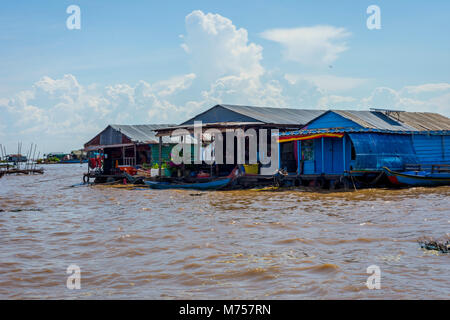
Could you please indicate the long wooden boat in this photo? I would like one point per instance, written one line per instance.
(216, 184)
(211, 185)
(73, 161)
(417, 178)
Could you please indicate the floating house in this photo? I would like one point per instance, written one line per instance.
(128, 146)
(224, 117)
(16, 158)
(361, 143)
(56, 155)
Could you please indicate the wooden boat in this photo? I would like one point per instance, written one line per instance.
(418, 178)
(215, 184)
(73, 161)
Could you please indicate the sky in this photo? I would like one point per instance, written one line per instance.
(144, 62)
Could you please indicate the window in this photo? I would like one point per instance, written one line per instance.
(307, 150)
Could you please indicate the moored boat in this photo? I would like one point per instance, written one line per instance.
(210, 185)
(215, 184)
(74, 161)
(418, 178)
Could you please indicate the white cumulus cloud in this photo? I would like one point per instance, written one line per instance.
(429, 87)
(217, 48)
(318, 45)
(327, 83)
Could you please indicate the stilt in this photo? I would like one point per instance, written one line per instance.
(160, 157)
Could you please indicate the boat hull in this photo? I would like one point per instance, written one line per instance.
(73, 161)
(417, 178)
(211, 185)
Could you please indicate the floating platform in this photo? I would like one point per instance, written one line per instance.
(21, 171)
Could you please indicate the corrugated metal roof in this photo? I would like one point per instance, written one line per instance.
(276, 115)
(397, 121)
(425, 121)
(145, 133)
(279, 116)
(374, 120)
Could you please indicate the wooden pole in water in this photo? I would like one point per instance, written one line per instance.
(35, 164)
(1, 157)
(17, 156)
(26, 156)
(6, 158)
(34, 153)
(27, 163)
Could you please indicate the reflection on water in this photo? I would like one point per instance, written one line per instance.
(150, 244)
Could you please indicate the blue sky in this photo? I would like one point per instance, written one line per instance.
(162, 62)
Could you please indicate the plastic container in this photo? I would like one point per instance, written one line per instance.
(251, 168)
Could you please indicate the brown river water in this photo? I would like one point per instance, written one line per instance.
(150, 244)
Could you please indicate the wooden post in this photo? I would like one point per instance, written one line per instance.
(343, 150)
(323, 158)
(160, 156)
(279, 155)
(299, 156)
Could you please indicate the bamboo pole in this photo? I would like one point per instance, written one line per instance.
(34, 153)
(35, 163)
(28, 156)
(1, 157)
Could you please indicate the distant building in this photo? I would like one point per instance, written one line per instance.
(58, 155)
(17, 158)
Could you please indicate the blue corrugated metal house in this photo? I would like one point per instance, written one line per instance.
(363, 141)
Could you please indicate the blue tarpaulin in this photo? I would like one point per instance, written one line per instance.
(375, 151)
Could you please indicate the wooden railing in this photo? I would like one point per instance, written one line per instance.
(129, 161)
(433, 168)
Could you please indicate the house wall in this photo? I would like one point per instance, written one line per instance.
(110, 136)
(332, 120)
(219, 114)
(166, 152)
(94, 142)
(333, 160)
(432, 149)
